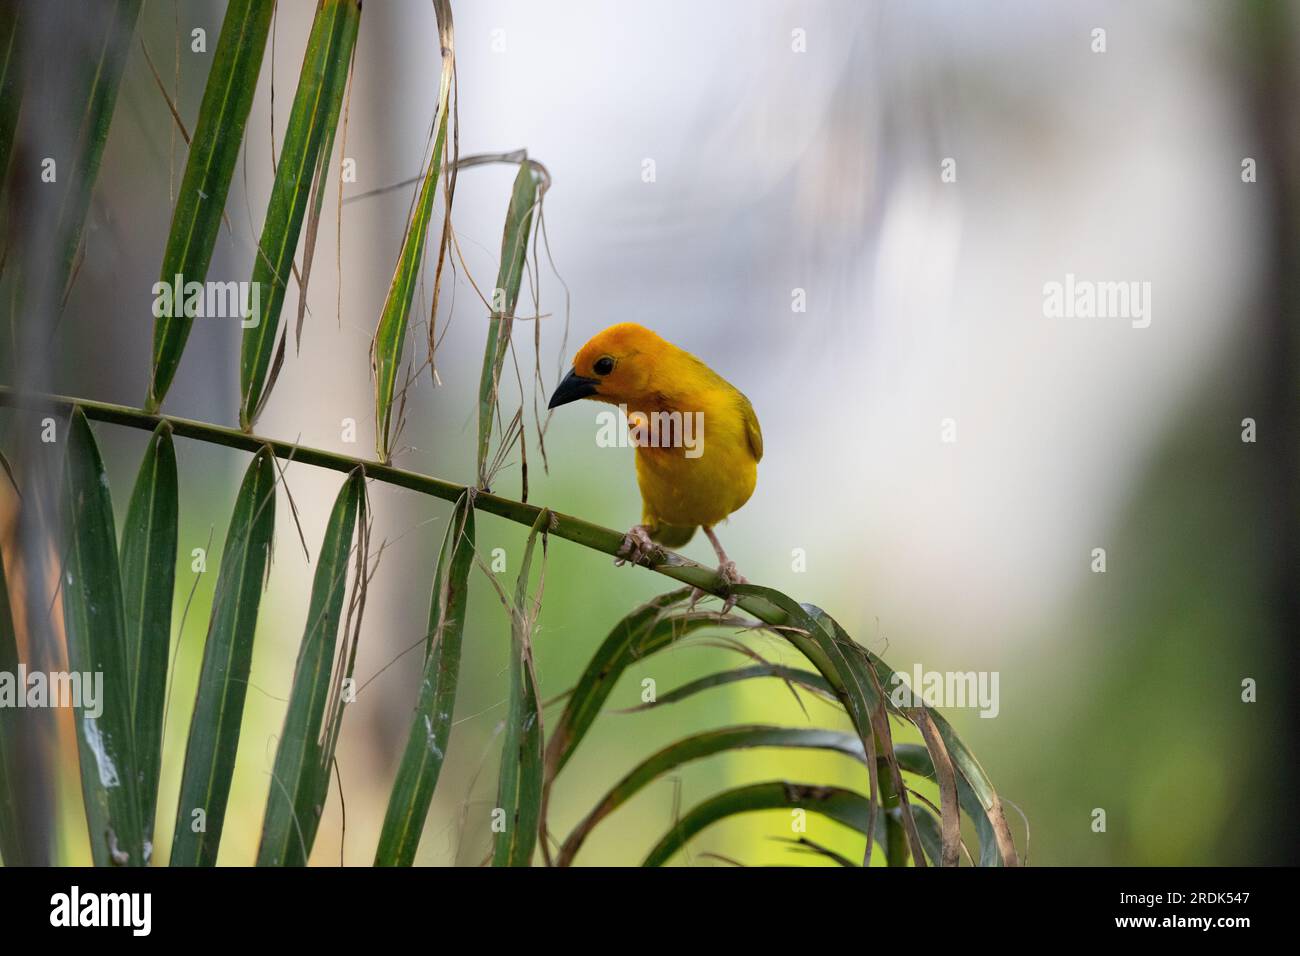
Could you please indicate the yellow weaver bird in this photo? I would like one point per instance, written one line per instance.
(693, 477)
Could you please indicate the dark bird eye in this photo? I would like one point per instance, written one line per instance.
(603, 365)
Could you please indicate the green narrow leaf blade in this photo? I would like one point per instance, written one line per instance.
(105, 81)
(426, 744)
(916, 759)
(835, 803)
(519, 787)
(214, 150)
(975, 793)
(927, 824)
(697, 747)
(390, 334)
(650, 627)
(841, 661)
(312, 120)
(809, 680)
(903, 836)
(227, 658)
(148, 581)
(996, 845)
(300, 780)
(94, 621)
(505, 296)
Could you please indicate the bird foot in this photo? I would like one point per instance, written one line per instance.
(730, 576)
(697, 596)
(637, 546)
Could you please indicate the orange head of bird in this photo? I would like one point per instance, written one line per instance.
(615, 366)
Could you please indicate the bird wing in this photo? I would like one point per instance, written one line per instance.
(752, 431)
(721, 385)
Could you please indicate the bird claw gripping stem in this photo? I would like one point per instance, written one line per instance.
(730, 577)
(636, 547)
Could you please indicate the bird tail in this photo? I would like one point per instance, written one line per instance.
(672, 535)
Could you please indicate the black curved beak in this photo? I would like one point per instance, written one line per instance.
(573, 387)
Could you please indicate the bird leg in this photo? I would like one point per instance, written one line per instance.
(726, 570)
(636, 546)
